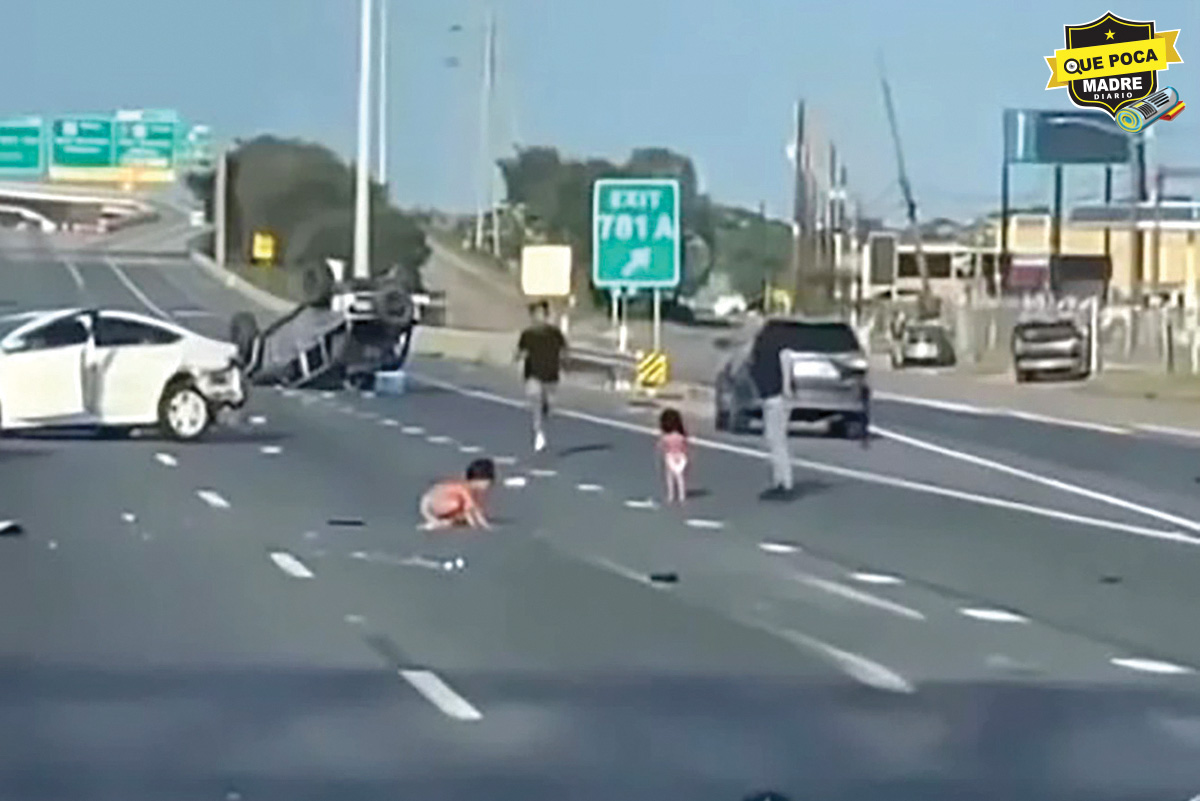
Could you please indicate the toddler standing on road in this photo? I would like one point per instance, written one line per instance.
(672, 446)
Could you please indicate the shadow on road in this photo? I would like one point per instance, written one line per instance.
(595, 447)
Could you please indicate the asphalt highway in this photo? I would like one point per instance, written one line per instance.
(968, 608)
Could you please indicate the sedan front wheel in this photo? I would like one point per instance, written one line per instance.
(183, 413)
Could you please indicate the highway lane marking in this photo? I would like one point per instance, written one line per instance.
(589, 487)
(212, 498)
(128, 517)
(413, 430)
(876, 578)
(778, 547)
(1171, 430)
(966, 408)
(270, 450)
(842, 472)
(389, 422)
(470, 449)
(135, 290)
(258, 420)
(76, 276)
(166, 459)
(542, 472)
(515, 481)
(438, 440)
(1151, 666)
(1059, 421)
(440, 694)
(1047, 481)
(700, 522)
(866, 598)
(505, 460)
(992, 615)
(291, 565)
(647, 503)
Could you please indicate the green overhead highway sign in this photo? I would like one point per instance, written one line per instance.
(635, 233)
(145, 144)
(22, 147)
(81, 142)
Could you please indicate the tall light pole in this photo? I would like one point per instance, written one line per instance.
(362, 188)
(486, 188)
(383, 76)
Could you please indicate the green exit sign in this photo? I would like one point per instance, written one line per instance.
(145, 144)
(635, 233)
(22, 148)
(81, 142)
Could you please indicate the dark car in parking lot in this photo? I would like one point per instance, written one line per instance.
(825, 377)
(1044, 348)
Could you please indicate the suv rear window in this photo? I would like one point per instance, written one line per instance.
(1041, 332)
(814, 337)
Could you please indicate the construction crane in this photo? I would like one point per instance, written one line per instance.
(926, 306)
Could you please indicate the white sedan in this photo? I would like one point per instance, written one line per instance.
(113, 370)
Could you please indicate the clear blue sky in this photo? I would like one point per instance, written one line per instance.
(713, 78)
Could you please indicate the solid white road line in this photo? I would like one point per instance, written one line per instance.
(876, 578)
(290, 565)
(1151, 666)
(438, 693)
(946, 406)
(166, 459)
(1059, 421)
(136, 291)
(837, 470)
(270, 450)
(859, 668)
(1058, 484)
(212, 499)
(1171, 430)
(866, 598)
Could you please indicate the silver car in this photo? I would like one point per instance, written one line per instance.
(1050, 347)
(825, 378)
(923, 344)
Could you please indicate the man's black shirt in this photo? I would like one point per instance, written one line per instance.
(543, 346)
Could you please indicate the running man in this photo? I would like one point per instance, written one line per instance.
(542, 346)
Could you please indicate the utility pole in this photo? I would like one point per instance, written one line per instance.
(362, 188)
(486, 188)
(221, 209)
(926, 304)
(1139, 194)
(383, 98)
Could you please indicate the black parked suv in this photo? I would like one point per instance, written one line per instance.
(824, 377)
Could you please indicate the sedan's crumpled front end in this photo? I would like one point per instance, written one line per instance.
(224, 387)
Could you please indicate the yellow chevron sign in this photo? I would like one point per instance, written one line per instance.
(652, 369)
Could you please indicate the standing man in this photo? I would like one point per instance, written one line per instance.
(766, 370)
(542, 346)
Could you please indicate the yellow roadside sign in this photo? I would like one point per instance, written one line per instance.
(652, 369)
(262, 249)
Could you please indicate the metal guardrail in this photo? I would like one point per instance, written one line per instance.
(615, 365)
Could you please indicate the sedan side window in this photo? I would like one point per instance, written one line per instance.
(116, 332)
(58, 334)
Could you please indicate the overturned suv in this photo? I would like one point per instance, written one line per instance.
(344, 334)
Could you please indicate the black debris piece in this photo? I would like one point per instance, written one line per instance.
(664, 578)
(11, 528)
(347, 522)
(1110, 579)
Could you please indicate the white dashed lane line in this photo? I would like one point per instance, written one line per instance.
(470, 449)
(778, 547)
(993, 615)
(166, 459)
(1151, 666)
(270, 450)
(589, 487)
(290, 565)
(865, 598)
(389, 422)
(541, 472)
(258, 420)
(212, 498)
(438, 440)
(413, 430)
(876, 578)
(645, 503)
(128, 517)
(700, 522)
(441, 695)
(515, 481)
